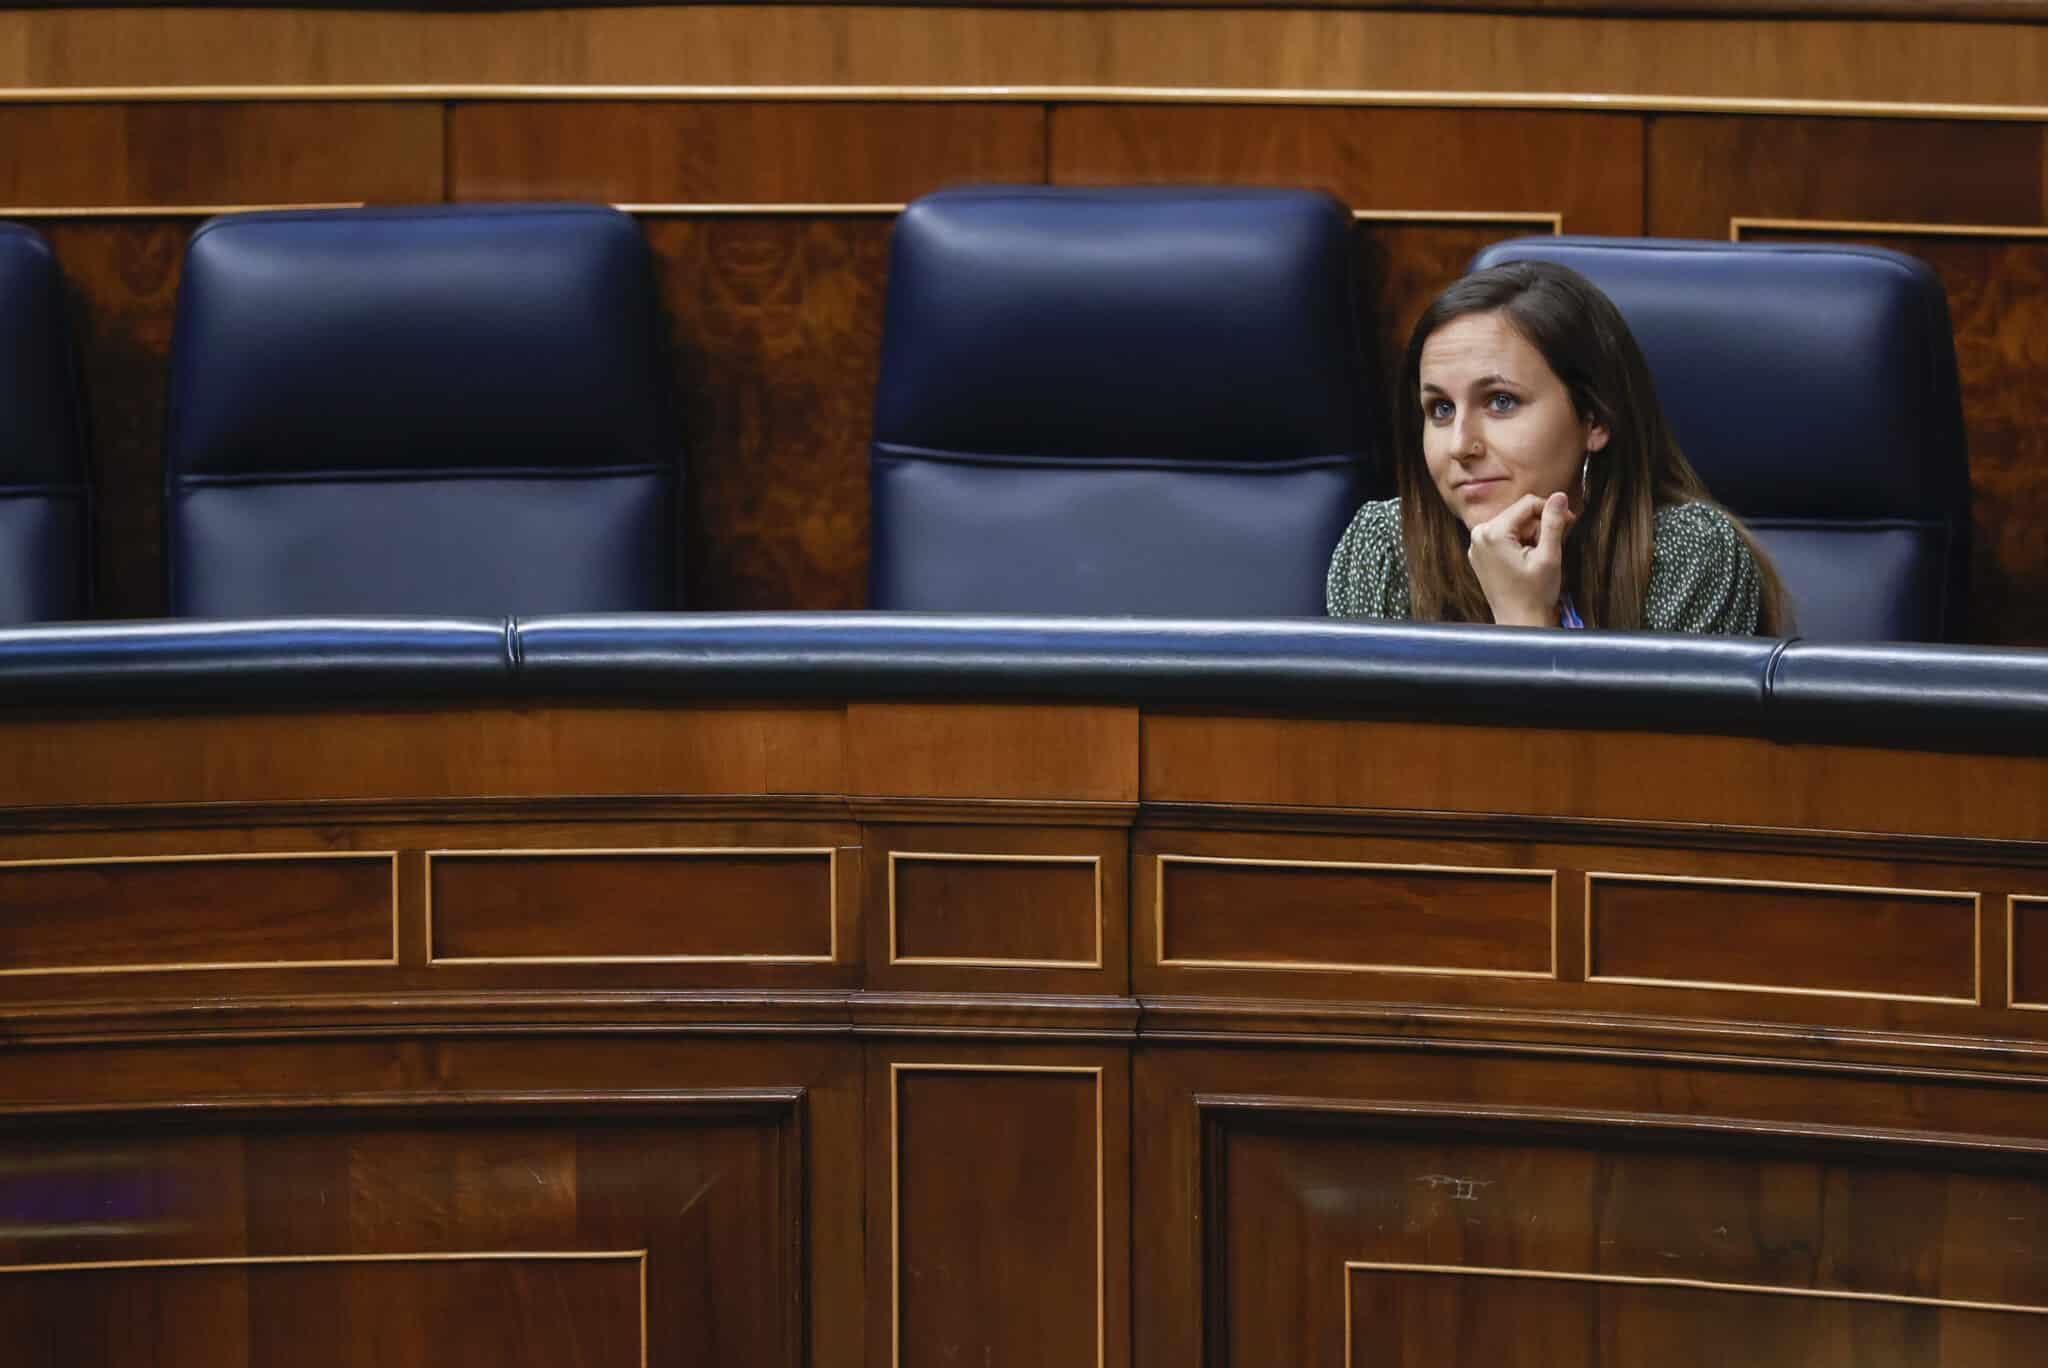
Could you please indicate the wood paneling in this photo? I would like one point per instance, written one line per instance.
(644, 152)
(1884, 942)
(220, 153)
(330, 1314)
(1402, 1315)
(1706, 171)
(1638, 776)
(190, 912)
(746, 905)
(1220, 912)
(1017, 910)
(281, 755)
(1230, 47)
(1586, 167)
(776, 333)
(1018, 1256)
(2027, 922)
(1073, 752)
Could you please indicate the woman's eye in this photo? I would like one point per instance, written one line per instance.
(1502, 403)
(1437, 410)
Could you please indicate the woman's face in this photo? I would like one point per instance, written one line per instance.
(1497, 423)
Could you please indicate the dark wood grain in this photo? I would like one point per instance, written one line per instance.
(776, 331)
(1877, 941)
(1078, 752)
(778, 152)
(1586, 167)
(2029, 951)
(697, 905)
(1329, 916)
(196, 911)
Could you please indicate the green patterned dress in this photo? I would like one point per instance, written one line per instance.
(1702, 578)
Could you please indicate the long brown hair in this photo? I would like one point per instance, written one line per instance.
(1607, 559)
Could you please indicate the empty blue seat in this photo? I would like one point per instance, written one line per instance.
(1814, 389)
(45, 513)
(447, 410)
(1116, 401)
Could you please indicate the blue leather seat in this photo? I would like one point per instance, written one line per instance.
(1116, 401)
(1814, 388)
(45, 511)
(459, 410)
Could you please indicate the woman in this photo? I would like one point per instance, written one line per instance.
(1538, 483)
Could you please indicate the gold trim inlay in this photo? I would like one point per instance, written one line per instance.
(1159, 917)
(831, 854)
(1094, 863)
(1880, 228)
(1352, 1266)
(222, 857)
(1976, 902)
(896, 1071)
(2012, 951)
(1618, 103)
(58, 211)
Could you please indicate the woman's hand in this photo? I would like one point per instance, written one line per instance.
(1518, 555)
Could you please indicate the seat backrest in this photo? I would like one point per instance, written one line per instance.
(45, 511)
(1116, 401)
(1814, 389)
(459, 410)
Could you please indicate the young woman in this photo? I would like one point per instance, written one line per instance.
(1538, 484)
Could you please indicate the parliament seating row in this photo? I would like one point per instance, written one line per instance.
(1097, 401)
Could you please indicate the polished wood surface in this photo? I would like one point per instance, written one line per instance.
(1237, 47)
(1666, 1060)
(736, 903)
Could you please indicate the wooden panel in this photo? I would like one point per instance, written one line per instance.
(184, 756)
(1705, 172)
(339, 1223)
(1001, 1261)
(1815, 1250)
(1586, 167)
(1312, 914)
(1462, 1316)
(72, 155)
(197, 912)
(607, 906)
(777, 331)
(1881, 942)
(1635, 776)
(2027, 926)
(335, 1312)
(1997, 284)
(1232, 48)
(1016, 910)
(1063, 751)
(645, 152)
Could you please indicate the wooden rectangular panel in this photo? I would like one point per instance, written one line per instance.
(1000, 1260)
(1586, 168)
(256, 911)
(1339, 915)
(657, 152)
(1541, 1237)
(1484, 1318)
(220, 153)
(1705, 171)
(1909, 944)
(995, 910)
(771, 906)
(1063, 752)
(2027, 952)
(338, 1311)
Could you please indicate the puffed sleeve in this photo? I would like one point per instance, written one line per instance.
(1368, 573)
(1702, 577)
